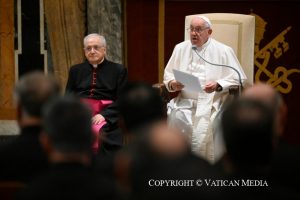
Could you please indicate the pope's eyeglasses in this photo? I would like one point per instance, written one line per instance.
(196, 29)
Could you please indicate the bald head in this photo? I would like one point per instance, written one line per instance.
(266, 94)
(262, 92)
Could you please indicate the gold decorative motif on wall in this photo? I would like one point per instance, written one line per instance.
(279, 78)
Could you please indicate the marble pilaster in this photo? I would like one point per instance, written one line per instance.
(105, 18)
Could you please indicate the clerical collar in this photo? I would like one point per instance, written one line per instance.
(96, 65)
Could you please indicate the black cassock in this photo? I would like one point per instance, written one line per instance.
(102, 83)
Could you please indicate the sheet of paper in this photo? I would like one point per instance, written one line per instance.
(190, 82)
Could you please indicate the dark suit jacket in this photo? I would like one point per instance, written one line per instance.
(69, 180)
(22, 158)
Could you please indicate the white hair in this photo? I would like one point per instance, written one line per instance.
(102, 39)
(207, 21)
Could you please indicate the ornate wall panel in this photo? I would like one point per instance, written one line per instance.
(142, 39)
(106, 18)
(7, 70)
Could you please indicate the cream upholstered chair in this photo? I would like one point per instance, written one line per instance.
(236, 31)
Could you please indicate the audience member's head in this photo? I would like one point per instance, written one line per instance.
(269, 96)
(32, 91)
(248, 131)
(67, 126)
(140, 105)
(142, 111)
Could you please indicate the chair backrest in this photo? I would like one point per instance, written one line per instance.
(236, 31)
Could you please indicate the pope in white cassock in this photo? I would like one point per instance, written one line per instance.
(195, 112)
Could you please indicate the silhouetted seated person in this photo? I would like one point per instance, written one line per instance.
(249, 135)
(67, 139)
(23, 157)
(154, 150)
(285, 163)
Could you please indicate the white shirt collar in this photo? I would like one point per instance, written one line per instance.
(96, 65)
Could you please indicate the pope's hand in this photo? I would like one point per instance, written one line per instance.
(210, 86)
(175, 85)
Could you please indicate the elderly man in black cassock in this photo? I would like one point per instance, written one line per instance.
(98, 81)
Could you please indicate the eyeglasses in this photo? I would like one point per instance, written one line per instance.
(90, 48)
(196, 29)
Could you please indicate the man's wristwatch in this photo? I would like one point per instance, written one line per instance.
(219, 88)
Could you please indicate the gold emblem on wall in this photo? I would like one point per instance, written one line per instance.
(276, 47)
